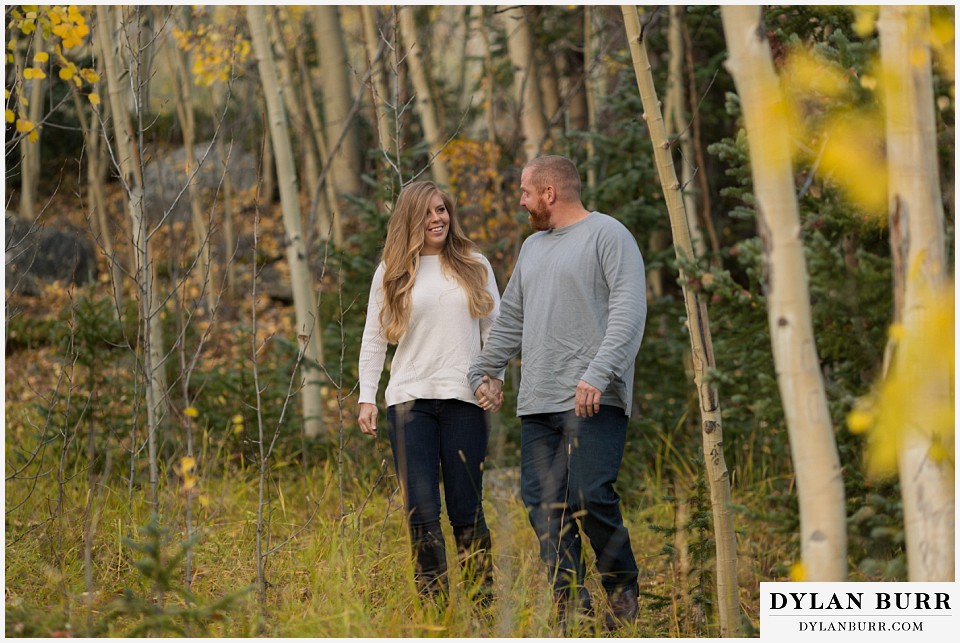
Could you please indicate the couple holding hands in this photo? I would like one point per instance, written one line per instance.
(575, 309)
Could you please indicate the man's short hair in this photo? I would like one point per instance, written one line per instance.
(558, 171)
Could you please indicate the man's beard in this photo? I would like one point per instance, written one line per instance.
(539, 218)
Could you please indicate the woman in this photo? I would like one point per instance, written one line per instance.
(433, 295)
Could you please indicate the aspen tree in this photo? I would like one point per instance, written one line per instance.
(926, 482)
(124, 154)
(533, 124)
(425, 106)
(305, 301)
(183, 99)
(334, 71)
(698, 324)
(589, 84)
(823, 537)
(386, 134)
(30, 149)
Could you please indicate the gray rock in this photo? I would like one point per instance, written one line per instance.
(35, 254)
(165, 179)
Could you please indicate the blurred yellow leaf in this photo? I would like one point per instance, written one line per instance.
(191, 412)
(10, 116)
(866, 20)
(30, 73)
(42, 57)
(916, 394)
(94, 98)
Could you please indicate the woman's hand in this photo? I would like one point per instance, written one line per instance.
(368, 418)
(490, 394)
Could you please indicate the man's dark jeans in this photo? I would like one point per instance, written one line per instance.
(430, 438)
(568, 468)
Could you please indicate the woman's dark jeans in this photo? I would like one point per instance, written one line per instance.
(430, 438)
(568, 468)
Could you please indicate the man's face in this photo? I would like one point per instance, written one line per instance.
(531, 199)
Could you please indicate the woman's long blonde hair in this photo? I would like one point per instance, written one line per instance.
(401, 259)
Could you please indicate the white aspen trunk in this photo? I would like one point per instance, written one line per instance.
(927, 486)
(473, 56)
(98, 202)
(526, 88)
(305, 301)
(124, 155)
(698, 323)
(425, 106)
(183, 97)
(488, 89)
(677, 124)
(337, 99)
(386, 134)
(589, 86)
(30, 151)
(547, 81)
(294, 101)
(329, 223)
(823, 537)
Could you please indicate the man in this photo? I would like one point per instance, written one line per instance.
(575, 307)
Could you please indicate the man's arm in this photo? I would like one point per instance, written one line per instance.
(622, 266)
(506, 335)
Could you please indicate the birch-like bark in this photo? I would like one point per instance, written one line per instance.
(30, 151)
(337, 99)
(698, 324)
(304, 299)
(589, 89)
(98, 203)
(124, 155)
(676, 123)
(386, 134)
(533, 124)
(927, 486)
(183, 99)
(823, 537)
(425, 106)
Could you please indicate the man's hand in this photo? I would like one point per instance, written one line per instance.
(368, 418)
(587, 400)
(490, 394)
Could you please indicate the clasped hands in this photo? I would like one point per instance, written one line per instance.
(490, 394)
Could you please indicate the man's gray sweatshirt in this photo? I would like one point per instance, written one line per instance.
(575, 308)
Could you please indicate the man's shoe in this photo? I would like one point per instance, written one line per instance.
(624, 607)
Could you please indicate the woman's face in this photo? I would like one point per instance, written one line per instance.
(436, 226)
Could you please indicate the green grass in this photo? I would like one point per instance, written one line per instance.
(333, 573)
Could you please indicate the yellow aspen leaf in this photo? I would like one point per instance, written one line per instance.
(204, 500)
(866, 20)
(94, 98)
(897, 332)
(187, 464)
(90, 75)
(237, 419)
(10, 116)
(24, 125)
(34, 135)
(189, 482)
(33, 72)
(77, 81)
(42, 57)
(191, 412)
(66, 73)
(859, 421)
(798, 572)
